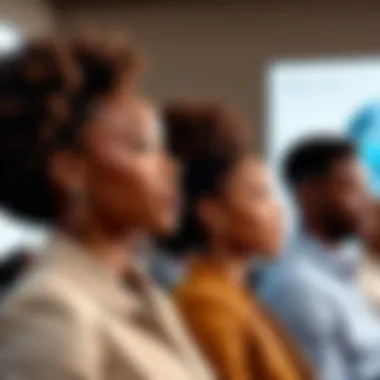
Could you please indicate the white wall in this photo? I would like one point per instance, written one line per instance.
(221, 51)
(33, 18)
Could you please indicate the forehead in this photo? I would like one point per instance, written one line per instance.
(125, 113)
(252, 169)
(123, 107)
(347, 168)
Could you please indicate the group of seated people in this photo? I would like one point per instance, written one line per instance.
(135, 197)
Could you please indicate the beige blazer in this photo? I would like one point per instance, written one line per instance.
(71, 320)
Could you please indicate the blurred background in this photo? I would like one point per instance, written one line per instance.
(290, 66)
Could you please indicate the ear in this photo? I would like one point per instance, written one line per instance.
(211, 215)
(67, 171)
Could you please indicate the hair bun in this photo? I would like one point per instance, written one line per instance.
(107, 63)
(204, 129)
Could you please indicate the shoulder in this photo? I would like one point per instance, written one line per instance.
(45, 305)
(46, 289)
(211, 300)
(299, 294)
(45, 323)
(294, 283)
(288, 272)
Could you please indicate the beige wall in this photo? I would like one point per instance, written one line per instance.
(209, 52)
(34, 17)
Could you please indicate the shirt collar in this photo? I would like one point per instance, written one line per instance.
(342, 261)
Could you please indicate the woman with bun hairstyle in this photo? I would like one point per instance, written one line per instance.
(81, 152)
(230, 217)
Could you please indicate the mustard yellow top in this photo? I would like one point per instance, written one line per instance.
(239, 337)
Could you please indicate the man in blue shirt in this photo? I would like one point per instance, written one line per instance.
(313, 288)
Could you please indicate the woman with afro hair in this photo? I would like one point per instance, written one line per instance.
(81, 152)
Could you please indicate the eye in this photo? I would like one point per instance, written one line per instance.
(142, 144)
(138, 144)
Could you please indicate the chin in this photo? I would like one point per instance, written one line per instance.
(273, 254)
(273, 251)
(165, 228)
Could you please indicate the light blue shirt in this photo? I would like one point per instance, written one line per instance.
(315, 294)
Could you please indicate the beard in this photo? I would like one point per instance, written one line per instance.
(337, 227)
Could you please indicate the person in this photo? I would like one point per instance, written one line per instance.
(230, 215)
(369, 271)
(313, 287)
(83, 152)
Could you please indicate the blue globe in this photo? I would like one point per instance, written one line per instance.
(364, 129)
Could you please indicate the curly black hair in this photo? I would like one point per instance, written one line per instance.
(208, 140)
(46, 92)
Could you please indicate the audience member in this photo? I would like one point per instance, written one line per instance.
(230, 216)
(79, 149)
(369, 274)
(313, 288)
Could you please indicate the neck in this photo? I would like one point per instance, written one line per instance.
(230, 261)
(112, 247)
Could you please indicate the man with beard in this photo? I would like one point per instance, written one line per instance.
(313, 287)
(369, 274)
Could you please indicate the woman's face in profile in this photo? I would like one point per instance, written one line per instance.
(130, 180)
(251, 211)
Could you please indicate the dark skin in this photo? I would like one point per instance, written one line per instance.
(371, 236)
(243, 219)
(127, 181)
(335, 206)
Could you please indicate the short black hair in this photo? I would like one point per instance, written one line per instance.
(207, 139)
(313, 157)
(46, 90)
